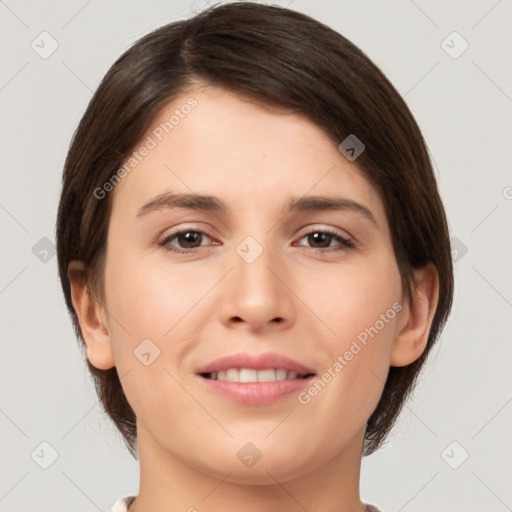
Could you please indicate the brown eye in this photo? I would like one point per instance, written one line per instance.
(323, 240)
(187, 240)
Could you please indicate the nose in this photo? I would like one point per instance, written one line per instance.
(258, 295)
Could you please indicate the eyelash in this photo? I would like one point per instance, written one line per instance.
(344, 242)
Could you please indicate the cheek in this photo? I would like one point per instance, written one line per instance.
(360, 307)
(157, 302)
(150, 325)
(149, 297)
(352, 298)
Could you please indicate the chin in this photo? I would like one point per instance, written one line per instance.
(265, 468)
(261, 474)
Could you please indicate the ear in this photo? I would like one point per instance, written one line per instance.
(92, 319)
(416, 318)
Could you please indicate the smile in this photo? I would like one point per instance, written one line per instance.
(253, 375)
(255, 379)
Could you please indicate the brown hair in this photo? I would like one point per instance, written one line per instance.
(280, 58)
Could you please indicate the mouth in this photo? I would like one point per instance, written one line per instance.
(245, 367)
(255, 379)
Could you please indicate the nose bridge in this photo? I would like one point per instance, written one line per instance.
(253, 261)
(254, 291)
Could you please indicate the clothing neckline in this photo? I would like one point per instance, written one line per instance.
(123, 505)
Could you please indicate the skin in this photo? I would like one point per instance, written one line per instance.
(209, 303)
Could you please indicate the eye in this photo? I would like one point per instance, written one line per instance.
(189, 240)
(323, 239)
(186, 240)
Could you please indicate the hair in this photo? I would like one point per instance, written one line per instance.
(281, 59)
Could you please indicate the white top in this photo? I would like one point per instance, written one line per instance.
(123, 504)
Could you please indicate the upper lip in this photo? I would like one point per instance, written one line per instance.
(255, 361)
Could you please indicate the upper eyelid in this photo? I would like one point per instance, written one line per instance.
(334, 230)
(177, 231)
(306, 229)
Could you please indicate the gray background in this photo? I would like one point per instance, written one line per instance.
(463, 106)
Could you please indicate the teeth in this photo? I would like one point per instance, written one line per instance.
(281, 374)
(251, 375)
(265, 375)
(244, 375)
(232, 374)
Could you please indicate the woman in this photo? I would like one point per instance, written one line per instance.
(256, 258)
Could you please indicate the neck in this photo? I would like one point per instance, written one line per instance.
(169, 484)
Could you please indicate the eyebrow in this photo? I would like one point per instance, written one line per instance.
(200, 202)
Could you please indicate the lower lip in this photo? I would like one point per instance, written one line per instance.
(257, 393)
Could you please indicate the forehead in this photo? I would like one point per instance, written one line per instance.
(211, 141)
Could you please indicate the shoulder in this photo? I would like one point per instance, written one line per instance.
(122, 504)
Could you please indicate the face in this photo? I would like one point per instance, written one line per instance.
(239, 318)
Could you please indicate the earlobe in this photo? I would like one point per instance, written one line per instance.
(417, 317)
(92, 319)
